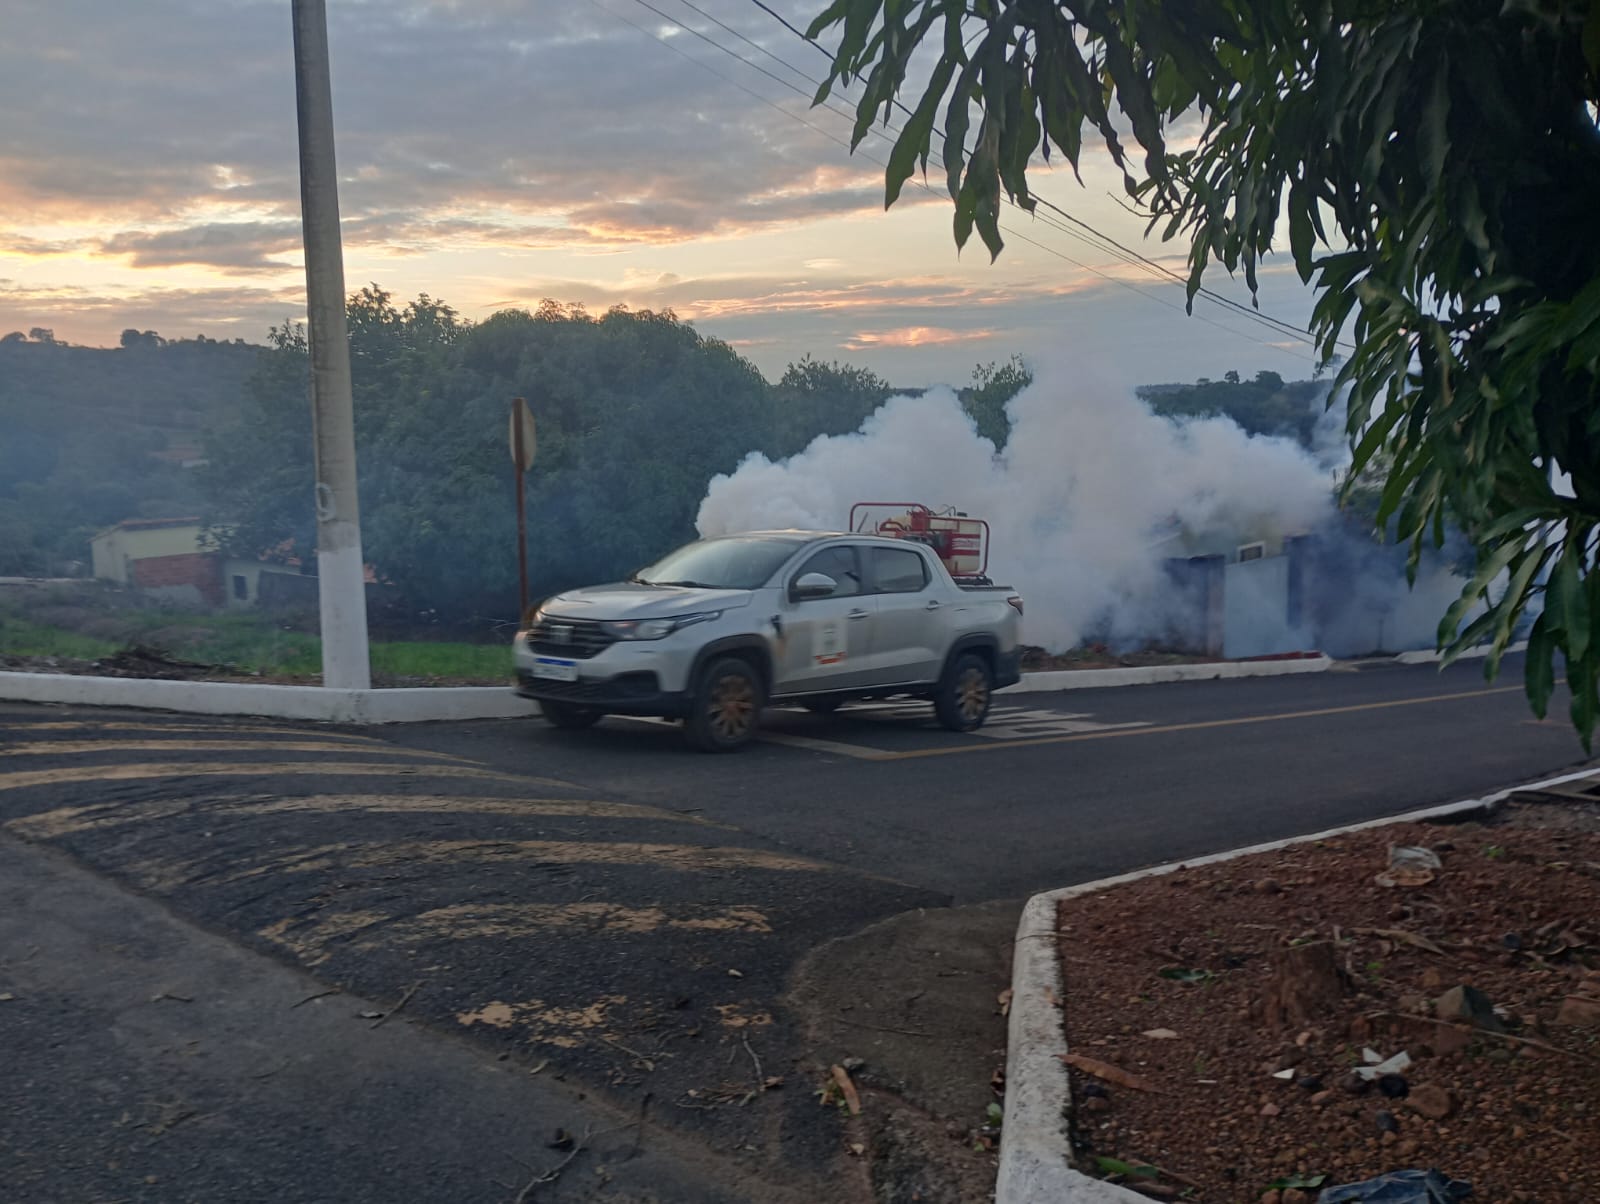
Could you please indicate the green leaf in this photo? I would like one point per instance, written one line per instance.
(1539, 679)
(912, 144)
(1568, 605)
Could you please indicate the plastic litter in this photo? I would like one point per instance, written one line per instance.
(1399, 1187)
(1376, 1069)
(1410, 865)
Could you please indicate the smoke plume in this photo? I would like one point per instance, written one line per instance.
(1091, 496)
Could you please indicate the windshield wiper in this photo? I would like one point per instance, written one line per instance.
(688, 584)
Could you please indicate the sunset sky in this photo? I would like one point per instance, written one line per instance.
(497, 152)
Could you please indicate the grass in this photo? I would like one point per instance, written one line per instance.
(250, 642)
(21, 637)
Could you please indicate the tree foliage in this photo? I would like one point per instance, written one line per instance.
(1435, 167)
(88, 438)
(635, 413)
(1263, 405)
(992, 388)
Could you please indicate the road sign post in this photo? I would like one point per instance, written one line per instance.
(523, 443)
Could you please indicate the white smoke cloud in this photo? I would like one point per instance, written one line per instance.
(1085, 503)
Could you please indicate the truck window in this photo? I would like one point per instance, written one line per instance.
(838, 563)
(898, 570)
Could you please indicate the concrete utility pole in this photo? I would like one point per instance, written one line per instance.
(340, 567)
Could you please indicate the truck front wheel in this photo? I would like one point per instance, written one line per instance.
(726, 709)
(964, 694)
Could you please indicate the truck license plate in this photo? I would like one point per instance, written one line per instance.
(555, 670)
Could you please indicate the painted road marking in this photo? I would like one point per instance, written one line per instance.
(1202, 725)
(1004, 722)
(310, 937)
(65, 821)
(170, 873)
(45, 748)
(189, 728)
(235, 769)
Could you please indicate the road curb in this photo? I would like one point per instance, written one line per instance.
(411, 705)
(1149, 675)
(1427, 656)
(1035, 1152)
(429, 704)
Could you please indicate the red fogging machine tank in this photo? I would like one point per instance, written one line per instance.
(961, 543)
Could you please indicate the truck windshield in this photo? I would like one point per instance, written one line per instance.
(735, 562)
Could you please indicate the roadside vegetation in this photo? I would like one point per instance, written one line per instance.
(78, 627)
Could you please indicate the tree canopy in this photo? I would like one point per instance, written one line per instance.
(1435, 167)
(635, 413)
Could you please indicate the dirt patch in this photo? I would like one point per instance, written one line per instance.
(1247, 996)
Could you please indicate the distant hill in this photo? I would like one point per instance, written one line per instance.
(92, 435)
(1264, 405)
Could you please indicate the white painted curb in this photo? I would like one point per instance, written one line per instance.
(413, 705)
(425, 704)
(1427, 656)
(1149, 675)
(1035, 1152)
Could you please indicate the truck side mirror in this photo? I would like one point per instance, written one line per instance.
(812, 585)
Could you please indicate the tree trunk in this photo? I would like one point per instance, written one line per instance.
(1307, 983)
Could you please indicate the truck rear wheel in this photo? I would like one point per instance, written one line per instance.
(726, 709)
(569, 715)
(964, 694)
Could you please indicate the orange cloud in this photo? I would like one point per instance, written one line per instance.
(914, 336)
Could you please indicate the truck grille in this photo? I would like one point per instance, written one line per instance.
(576, 639)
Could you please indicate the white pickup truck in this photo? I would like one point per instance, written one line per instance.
(721, 627)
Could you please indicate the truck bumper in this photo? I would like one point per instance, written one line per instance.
(1007, 668)
(625, 694)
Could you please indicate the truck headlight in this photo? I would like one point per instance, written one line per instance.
(655, 629)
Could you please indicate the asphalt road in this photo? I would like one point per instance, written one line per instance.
(1064, 788)
(609, 908)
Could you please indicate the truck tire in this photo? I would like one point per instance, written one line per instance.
(569, 715)
(965, 692)
(726, 708)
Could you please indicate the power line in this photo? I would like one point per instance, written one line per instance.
(1106, 242)
(1300, 336)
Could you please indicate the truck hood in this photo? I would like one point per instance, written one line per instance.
(627, 600)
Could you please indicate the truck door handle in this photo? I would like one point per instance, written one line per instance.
(933, 604)
(857, 614)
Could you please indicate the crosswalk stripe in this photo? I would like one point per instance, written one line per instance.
(169, 873)
(65, 821)
(310, 938)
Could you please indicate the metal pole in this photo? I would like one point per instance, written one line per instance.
(522, 508)
(340, 568)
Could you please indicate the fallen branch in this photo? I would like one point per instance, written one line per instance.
(1404, 937)
(878, 1028)
(761, 1079)
(649, 1063)
(550, 1176)
(852, 1098)
(1475, 1031)
(1108, 1072)
(404, 999)
(318, 995)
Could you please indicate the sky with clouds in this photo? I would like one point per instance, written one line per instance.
(497, 152)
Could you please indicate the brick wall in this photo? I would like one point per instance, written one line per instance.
(201, 570)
